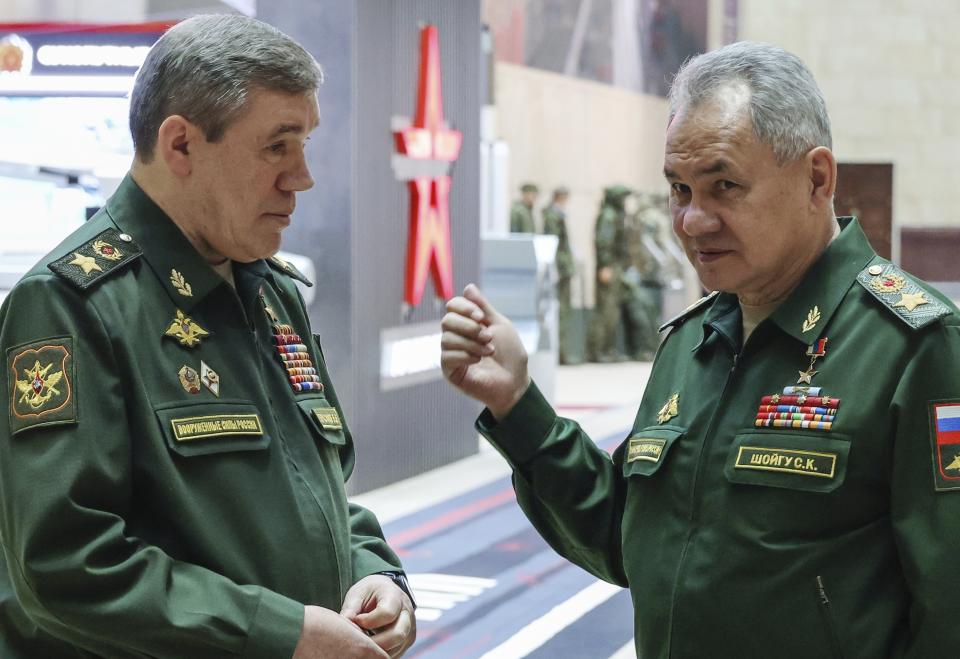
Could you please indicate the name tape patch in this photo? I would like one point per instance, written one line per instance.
(791, 461)
(328, 418)
(645, 448)
(216, 425)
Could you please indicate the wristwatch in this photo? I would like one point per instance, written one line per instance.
(400, 579)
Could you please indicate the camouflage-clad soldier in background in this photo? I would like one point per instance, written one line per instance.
(555, 223)
(521, 213)
(642, 279)
(611, 256)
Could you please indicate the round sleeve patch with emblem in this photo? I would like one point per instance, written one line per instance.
(40, 383)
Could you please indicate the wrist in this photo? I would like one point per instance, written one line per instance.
(501, 409)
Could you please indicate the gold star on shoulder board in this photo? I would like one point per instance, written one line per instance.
(86, 263)
(185, 331)
(911, 301)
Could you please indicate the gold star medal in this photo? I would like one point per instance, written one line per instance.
(210, 379)
(189, 379)
(86, 263)
(670, 409)
(815, 351)
(185, 330)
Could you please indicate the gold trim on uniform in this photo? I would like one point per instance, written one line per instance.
(189, 379)
(215, 425)
(179, 283)
(105, 250)
(670, 409)
(813, 317)
(86, 263)
(185, 331)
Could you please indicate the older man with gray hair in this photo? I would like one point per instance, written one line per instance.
(791, 484)
(172, 451)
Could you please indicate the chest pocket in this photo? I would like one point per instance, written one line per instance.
(323, 419)
(795, 461)
(204, 428)
(646, 451)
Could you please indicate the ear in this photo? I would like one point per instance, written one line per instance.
(822, 169)
(175, 138)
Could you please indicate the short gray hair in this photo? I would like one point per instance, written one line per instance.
(787, 109)
(204, 68)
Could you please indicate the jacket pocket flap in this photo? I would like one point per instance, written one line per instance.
(796, 461)
(203, 428)
(647, 449)
(324, 418)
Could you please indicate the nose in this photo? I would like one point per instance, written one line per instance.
(695, 220)
(297, 178)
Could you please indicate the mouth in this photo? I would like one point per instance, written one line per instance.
(710, 255)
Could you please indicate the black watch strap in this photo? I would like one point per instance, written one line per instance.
(400, 579)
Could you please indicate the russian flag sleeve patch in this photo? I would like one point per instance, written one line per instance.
(945, 419)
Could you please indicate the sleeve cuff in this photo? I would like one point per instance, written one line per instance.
(519, 436)
(276, 627)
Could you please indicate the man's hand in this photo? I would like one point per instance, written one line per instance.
(380, 607)
(481, 353)
(328, 635)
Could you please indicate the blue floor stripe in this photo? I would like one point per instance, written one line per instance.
(597, 635)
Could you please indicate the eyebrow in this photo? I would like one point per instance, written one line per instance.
(282, 129)
(716, 167)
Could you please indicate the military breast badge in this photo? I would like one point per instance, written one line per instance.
(185, 330)
(670, 409)
(210, 379)
(189, 379)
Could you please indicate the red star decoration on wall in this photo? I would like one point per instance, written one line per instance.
(430, 141)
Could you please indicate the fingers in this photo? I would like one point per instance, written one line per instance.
(396, 638)
(473, 294)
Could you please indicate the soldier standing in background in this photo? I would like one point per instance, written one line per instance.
(611, 255)
(555, 223)
(642, 279)
(521, 214)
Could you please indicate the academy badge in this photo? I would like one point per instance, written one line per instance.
(670, 409)
(210, 379)
(189, 379)
(185, 331)
(42, 374)
(945, 419)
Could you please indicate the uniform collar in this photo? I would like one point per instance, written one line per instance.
(812, 303)
(165, 247)
(806, 312)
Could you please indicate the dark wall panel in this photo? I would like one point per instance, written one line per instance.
(354, 222)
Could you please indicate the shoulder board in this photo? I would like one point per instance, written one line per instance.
(899, 293)
(108, 252)
(680, 317)
(288, 268)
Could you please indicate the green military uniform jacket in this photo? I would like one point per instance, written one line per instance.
(521, 218)
(744, 538)
(148, 506)
(555, 224)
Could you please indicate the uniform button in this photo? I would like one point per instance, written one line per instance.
(125, 238)
(875, 270)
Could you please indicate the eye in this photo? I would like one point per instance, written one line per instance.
(279, 148)
(725, 185)
(679, 189)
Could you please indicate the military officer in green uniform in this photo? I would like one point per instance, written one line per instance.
(611, 262)
(172, 451)
(642, 284)
(791, 484)
(555, 224)
(521, 213)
